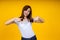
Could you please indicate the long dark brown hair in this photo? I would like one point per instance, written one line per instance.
(30, 14)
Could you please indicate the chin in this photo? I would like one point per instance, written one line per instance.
(25, 16)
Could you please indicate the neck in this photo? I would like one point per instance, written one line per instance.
(25, 17)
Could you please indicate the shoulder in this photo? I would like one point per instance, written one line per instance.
(17, 18)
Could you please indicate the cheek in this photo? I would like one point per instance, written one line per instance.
(28, 13)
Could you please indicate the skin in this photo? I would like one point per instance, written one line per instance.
(37, 19)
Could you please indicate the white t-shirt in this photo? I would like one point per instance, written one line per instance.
(25, 27)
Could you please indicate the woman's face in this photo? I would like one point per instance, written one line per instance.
(26, 12)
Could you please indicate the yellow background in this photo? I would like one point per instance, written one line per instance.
(47, 10)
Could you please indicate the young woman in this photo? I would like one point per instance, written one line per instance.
(24, 23)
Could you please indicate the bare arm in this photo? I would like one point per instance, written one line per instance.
(10, 21)
(38, 19)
